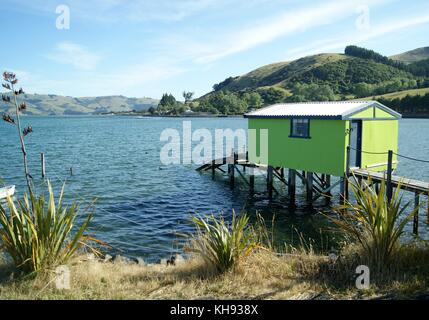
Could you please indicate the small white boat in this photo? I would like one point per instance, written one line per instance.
(8, 191)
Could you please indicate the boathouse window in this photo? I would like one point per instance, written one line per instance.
(300, 128)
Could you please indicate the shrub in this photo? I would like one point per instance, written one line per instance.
(223, 245)
(374, 223)
(37, 234)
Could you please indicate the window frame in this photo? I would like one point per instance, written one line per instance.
(306, 136)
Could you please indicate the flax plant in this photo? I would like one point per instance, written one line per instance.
(374, 223)
(37, 233)
(220, 244)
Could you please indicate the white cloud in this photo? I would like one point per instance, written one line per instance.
(124, 10)
(75, 55)
(125, 81)
(134, 76)
(374, 32)
(284, 24)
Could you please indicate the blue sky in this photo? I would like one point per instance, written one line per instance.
(146, 47)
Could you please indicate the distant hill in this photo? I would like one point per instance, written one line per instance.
(399, 94)
(356, 74)
(413, 55)
(41, 104)
(341, 72)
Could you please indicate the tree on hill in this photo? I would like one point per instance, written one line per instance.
(272, 95)
(420, 68)
(151, 110)
(169, 105)
(223, 102)
(223, 84)
(363, 53)
(167, 100)
(187, 95)
(253, 100)
(312, 92)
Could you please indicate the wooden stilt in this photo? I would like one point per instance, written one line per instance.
(389, 188)
(247, 160)
(342, 188)
(231, 169)
(328, 184)
(270, 181)
(416, 214)
(213, 168)
(231, 173)
(346, 188)
(292, 184)
(252, 180)
(42, 159)
(309, 186)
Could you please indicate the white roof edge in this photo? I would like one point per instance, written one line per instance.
(361, 105)
(371, 103)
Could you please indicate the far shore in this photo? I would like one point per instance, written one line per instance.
(137, 114)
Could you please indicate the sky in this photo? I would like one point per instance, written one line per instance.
(144, 48)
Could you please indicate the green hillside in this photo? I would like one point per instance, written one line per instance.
(341, 72)
(399, 94)
(413, 55)
(40, 104)
(358, 73)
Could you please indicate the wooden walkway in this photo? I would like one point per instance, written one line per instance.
(404, 183)
(316, 185)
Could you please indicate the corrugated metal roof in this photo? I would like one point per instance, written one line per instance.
(330, 110)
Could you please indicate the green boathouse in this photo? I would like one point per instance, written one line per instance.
(314, 136)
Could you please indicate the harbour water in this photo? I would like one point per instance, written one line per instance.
(143, 204)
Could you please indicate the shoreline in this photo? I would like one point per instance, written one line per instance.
(264, 275)
(404, 116)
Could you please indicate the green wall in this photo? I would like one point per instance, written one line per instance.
(371, 112)
(323, 153)
(379, 136)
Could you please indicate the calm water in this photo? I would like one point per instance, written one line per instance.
(142, 204)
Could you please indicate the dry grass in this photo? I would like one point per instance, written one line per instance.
(263, 275)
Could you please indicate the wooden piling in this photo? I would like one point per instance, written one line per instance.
(389, 188)
(342, 189)
(231, 169)
(292, 184)
(231, 173)
(213, 168)
(328, 184)
(309, 186)
(345, 190)
(270, 181)
(252, 180)
(416, 214)
(42, 160)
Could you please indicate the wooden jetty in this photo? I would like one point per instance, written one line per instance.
(419, 188)
(316, 185)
